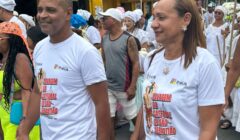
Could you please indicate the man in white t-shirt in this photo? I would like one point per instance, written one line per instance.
(209, 15)
(71, 79)
(6, 10)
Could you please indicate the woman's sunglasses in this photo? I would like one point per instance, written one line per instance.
(217, 13)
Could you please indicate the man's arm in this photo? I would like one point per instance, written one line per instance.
(99, 95)
(133, 54)
(233, 72)
(209, 119)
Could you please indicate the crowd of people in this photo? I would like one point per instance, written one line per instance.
(66, 75)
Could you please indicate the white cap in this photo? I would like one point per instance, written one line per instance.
(84, 13)
(112, 12)
(7, 4)
(211, 4)
(28, 19)
(221, 8)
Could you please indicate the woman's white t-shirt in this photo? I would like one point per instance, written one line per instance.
(174, 98)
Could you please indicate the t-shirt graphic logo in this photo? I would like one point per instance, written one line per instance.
(177, 82)
(56, 66)
(173, 81)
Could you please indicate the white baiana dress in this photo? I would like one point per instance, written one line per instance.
(235, 95)
(212, 33)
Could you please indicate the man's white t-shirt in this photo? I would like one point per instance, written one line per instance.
(208, 18)
(174, 98)
(93, 35)
(64, 70)
(20, 24)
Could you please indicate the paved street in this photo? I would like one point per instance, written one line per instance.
(122, 133)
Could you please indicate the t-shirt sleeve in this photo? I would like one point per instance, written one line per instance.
(210, 88)
(92, 69)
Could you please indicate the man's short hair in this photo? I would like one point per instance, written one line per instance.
(66, 4)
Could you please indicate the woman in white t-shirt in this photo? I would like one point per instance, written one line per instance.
(215, 37)
(182, 90)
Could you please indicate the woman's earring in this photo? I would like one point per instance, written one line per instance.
(184, 28)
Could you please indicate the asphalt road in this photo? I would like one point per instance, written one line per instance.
(123, 133)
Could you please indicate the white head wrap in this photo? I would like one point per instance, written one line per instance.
(238, 14)
(28, 19)
(221, 8)
(84, 13)
(121, 9)
(132, 15)
(139, 13)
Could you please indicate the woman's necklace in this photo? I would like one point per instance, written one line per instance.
(165, 70)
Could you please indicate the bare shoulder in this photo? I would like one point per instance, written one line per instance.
(22, 61)
(132, 44)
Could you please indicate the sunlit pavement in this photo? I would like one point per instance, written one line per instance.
(123, 133)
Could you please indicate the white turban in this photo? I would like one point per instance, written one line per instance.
(221, 8)
(121, 9)
(28, 19)
(84, 13)
(238, 14)
(131, 15)
(139, 13)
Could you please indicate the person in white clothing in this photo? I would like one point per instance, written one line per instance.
(215, 37)
(233, 74)
(89, 31)
(209, 15)
(27, 20)
(6, 10)
(71, 80)
(182, 90)
(140, 18)
(130, 20)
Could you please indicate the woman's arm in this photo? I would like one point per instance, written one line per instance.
(209, 118)
(30, 97)
(138, 133)
(24, 75)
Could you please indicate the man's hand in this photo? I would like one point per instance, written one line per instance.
(131, 93)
